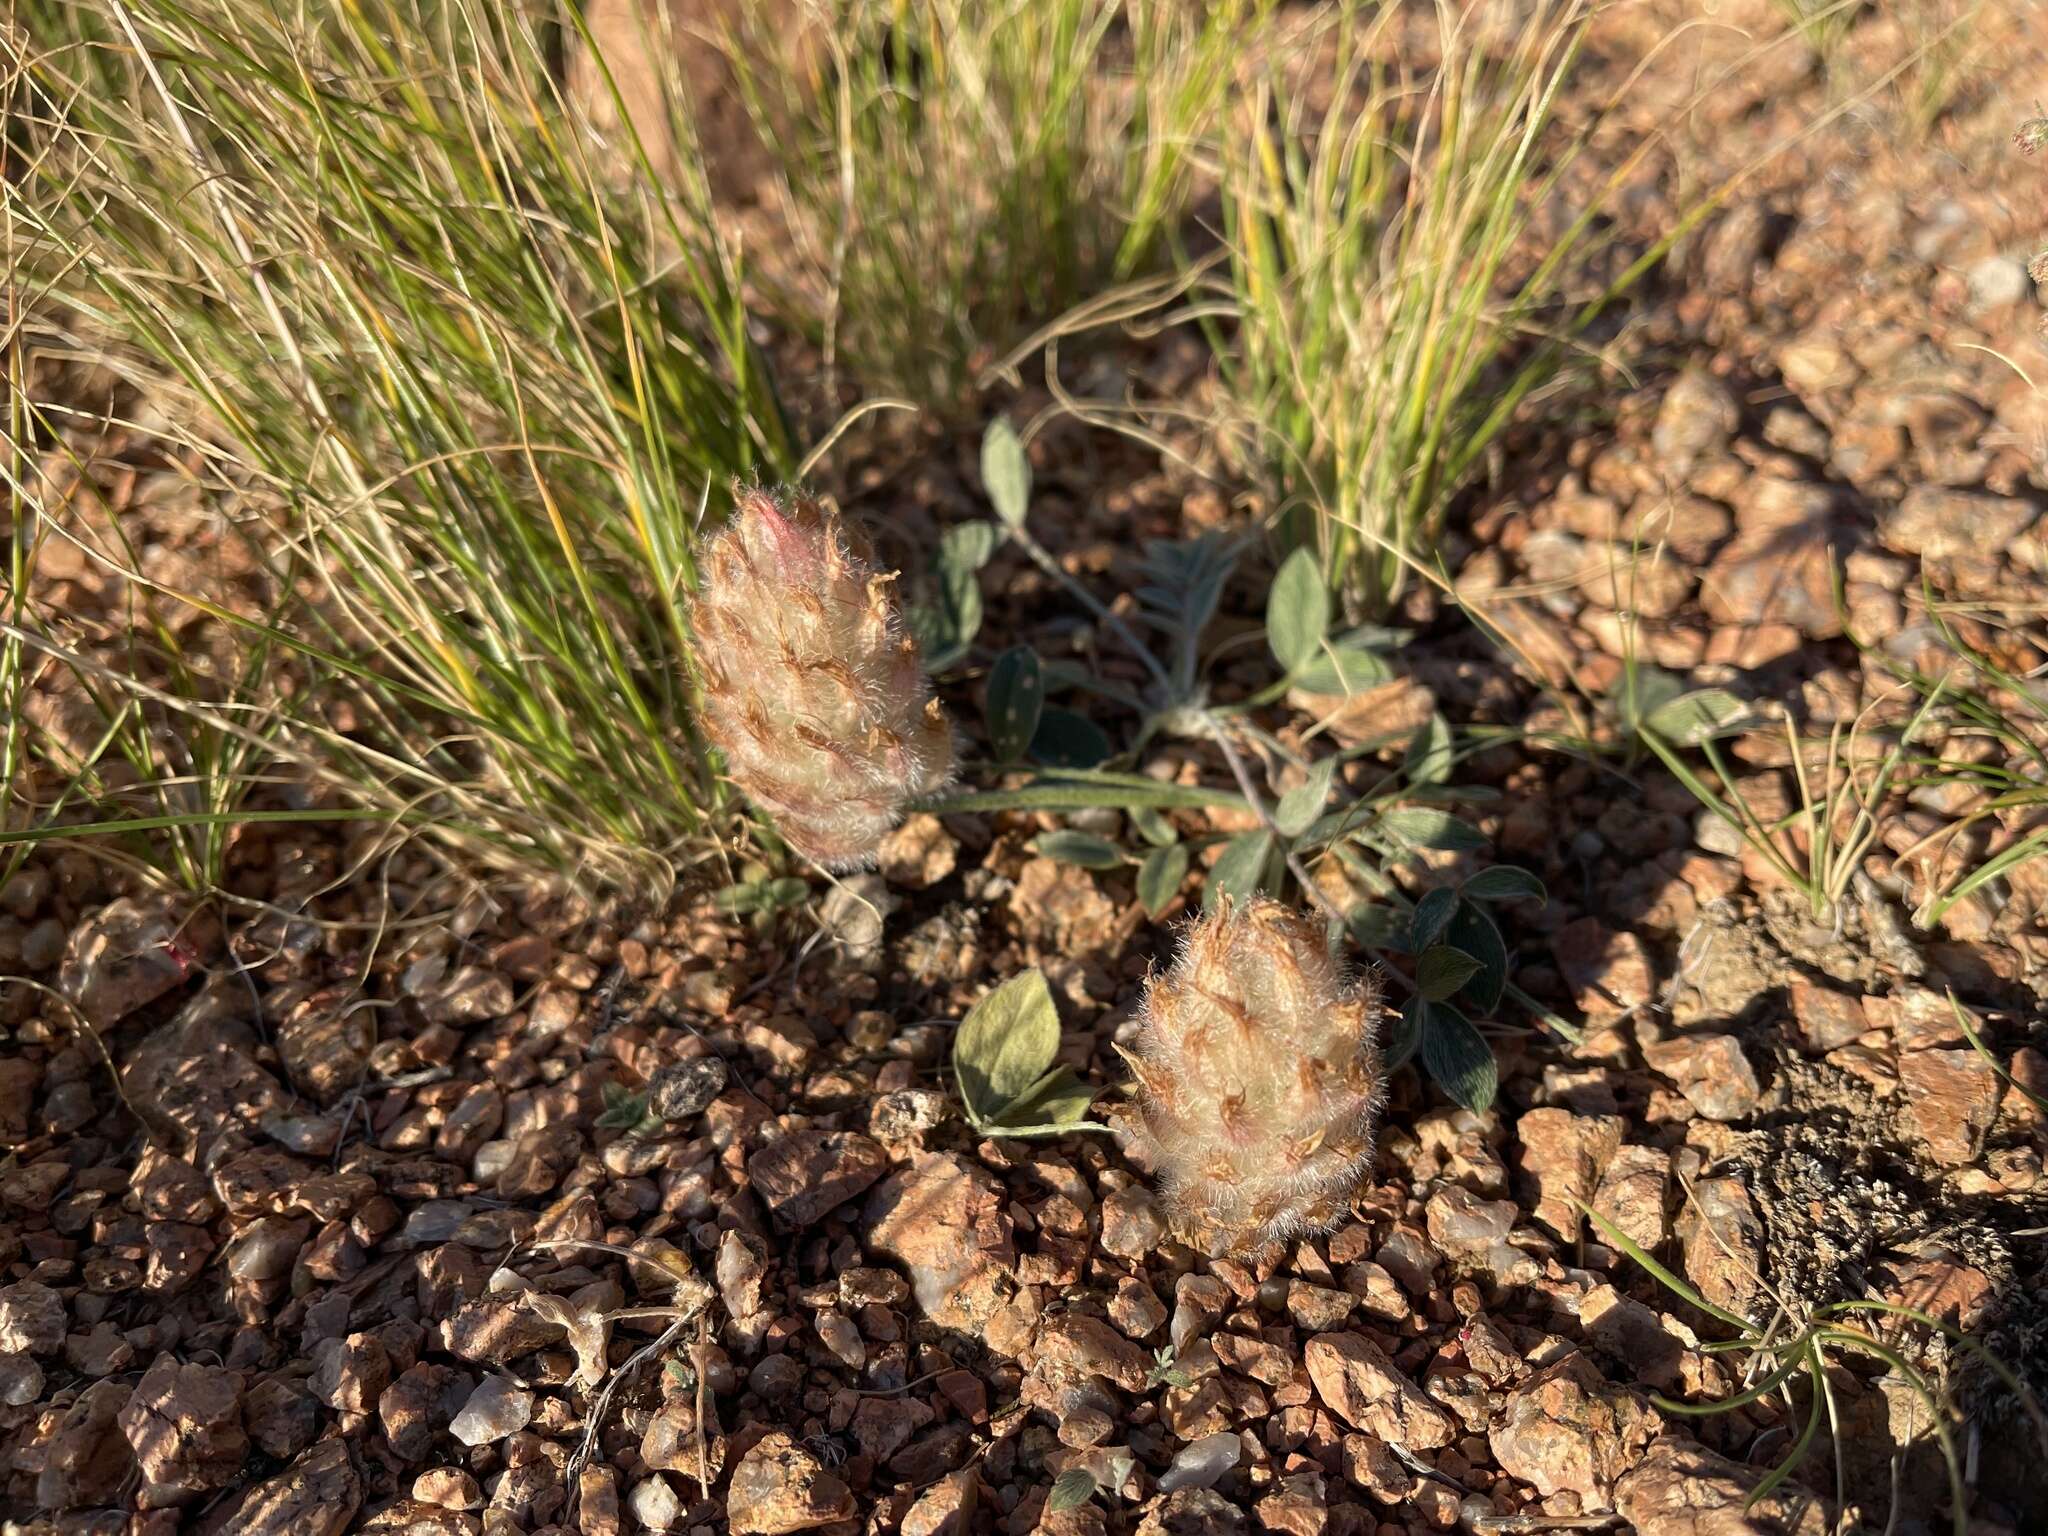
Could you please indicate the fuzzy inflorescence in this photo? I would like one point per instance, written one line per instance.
(1259, 1080)
(812, 688)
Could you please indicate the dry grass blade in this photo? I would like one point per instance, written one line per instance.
(482, 389)
(958, 171)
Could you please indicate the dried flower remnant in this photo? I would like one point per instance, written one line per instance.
(2033, 133)
(812, 687)
(1259, 1080)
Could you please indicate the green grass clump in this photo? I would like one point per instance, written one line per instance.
(957, 172)
(474, 387)
(1384, 263)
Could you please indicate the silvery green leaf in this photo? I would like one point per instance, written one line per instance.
(1301, 805)
(1006, 472)
(1297, 611)
(1082, 848)
(1005, 1044)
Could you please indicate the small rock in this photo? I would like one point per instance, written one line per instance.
(1568, 1429)
(1202, 1463)
(1996, 282)
(497, 1408)
(855, 913)
(21, 1380)
(779, 1486)
(1297, 1507)
(184, 1424)
(1697, 419)
(473, 995)
(1680, 1488)
(1191, 1512)
(130, 953)
(32, 1319)
(449, 1487)
(1565, 1154)
(943, 1218)
(1825, 1018)
(317, 1495)
(944, 1509)
(351, 1373)
(325, 1043)
(1950, 1099)
(685, 1088)
(1711, 1071)
(653, 1503)
(1131, 1224)
(1632, 1334)
(1359, 1384)
(918, 854)
(1462, 1224)
(1631, 1194)
(1937, 523)
(802, 1177)
(281, 1417)
(1607, 971)
(87, 1462)
(1723, 1243)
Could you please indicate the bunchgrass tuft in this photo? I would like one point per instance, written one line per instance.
(1389, 298)
(476, 385)
(956, 172)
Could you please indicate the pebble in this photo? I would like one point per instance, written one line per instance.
(1711, 1071)
(497, 1408)
(1202, 1463)
(1359, 1384)
(779, 1487)
(653, 1503)
(685, 1088)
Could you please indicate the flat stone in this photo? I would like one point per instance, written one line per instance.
(1358, 1382)
(1680, 1488)
(1607, 971)
(1711, 1071)
(184, 1424)
(317, 1495)
(1631, 1194)
(497, 1408)
(802, 1177)
(1723, 1243)
(1565, 1154)
(1938, 523)
(33, 1320)
(943, 1219)
(1567, 1429)
(1949, 1100)
(88, 1461)
(779, 1487)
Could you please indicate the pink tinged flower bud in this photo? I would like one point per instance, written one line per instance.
(812, 687)
(1259, 1081)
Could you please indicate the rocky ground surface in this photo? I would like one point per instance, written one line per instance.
(324, 1209)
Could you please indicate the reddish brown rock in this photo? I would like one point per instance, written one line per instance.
(1949, 1099)
(1568, 1429)
(942, 1218)
(317, 1495)
(184, 1423)
(1680, 1488)
(1359, 1384)
(779, 1487)
(1711, 1071)
(1723, 1243)
(1565, 1154)
(803, 1176)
